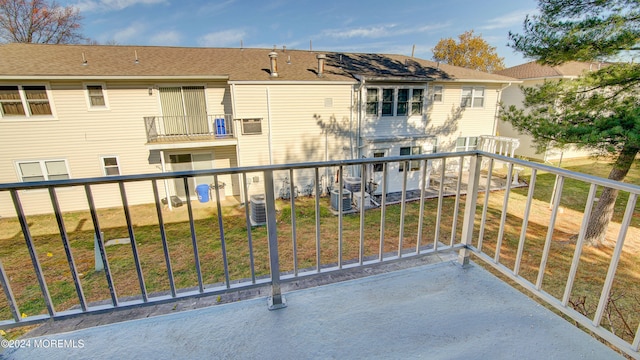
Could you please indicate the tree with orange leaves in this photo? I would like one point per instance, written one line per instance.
(39, 21)
(471, 52)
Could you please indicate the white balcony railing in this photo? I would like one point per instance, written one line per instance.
(476, 219)
(167, 128)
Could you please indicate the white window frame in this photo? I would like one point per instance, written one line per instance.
(467, 143)
(88, 97)
(105, 166)
(395, 100)
(25, 104)
(473, 97)
(375, 166)
(414, 165)
(437, 90)
(43, 168)
(412, 102)
(367, 102)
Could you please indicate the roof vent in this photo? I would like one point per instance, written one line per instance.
(273, 57)
(321, 59)
(84, 60)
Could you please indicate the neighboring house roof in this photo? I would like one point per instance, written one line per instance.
(534, 70)
(235, 64)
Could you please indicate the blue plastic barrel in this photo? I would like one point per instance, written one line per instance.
(203, 193)
(221, 129)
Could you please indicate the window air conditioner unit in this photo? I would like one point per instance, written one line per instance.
(251, 126)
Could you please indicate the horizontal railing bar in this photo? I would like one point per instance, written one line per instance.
(635, 189)
(332, 163)
(127, 305)
(222, 171)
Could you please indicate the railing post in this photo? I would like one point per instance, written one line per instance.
(276, 300)
(470, 210)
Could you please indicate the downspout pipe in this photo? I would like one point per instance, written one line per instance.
(495, 117)
(359, 110)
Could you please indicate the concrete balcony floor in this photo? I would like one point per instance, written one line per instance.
(432, 311)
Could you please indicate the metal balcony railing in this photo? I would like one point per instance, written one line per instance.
(177, 128)
(476, 219)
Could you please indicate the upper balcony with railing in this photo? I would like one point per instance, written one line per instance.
(188, 128)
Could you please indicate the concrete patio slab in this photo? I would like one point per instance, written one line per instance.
(439, 311)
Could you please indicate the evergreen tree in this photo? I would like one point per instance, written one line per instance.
(601, 109)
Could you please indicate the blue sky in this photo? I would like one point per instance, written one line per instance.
(350, 26)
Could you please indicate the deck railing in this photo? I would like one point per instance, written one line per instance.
(186, 127)
(304, 236)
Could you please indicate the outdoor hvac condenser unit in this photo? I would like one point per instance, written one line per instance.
(258, 210)
(352, 184)
(359, 202)
(346, 199)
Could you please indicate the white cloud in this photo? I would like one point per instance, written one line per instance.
(379, 31)
(222, 38)
(508, 20)
(125, 35)
(109, 5)
(364, 32)
(166, 38)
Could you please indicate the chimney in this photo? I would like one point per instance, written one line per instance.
(321, 58)
(273, 56)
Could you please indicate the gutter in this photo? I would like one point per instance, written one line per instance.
(115, 77)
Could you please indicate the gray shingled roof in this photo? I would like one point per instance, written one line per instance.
(532, 70)
(33, 60)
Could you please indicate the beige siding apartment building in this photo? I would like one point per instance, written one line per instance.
(83, 111)
(533, 74)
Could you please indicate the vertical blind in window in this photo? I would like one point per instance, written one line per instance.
(96, 96)
(37, 100)
(10, 101)
(43, 170)
(195, 109)
(184, 110)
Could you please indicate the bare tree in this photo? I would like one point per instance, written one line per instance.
(39, 21)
